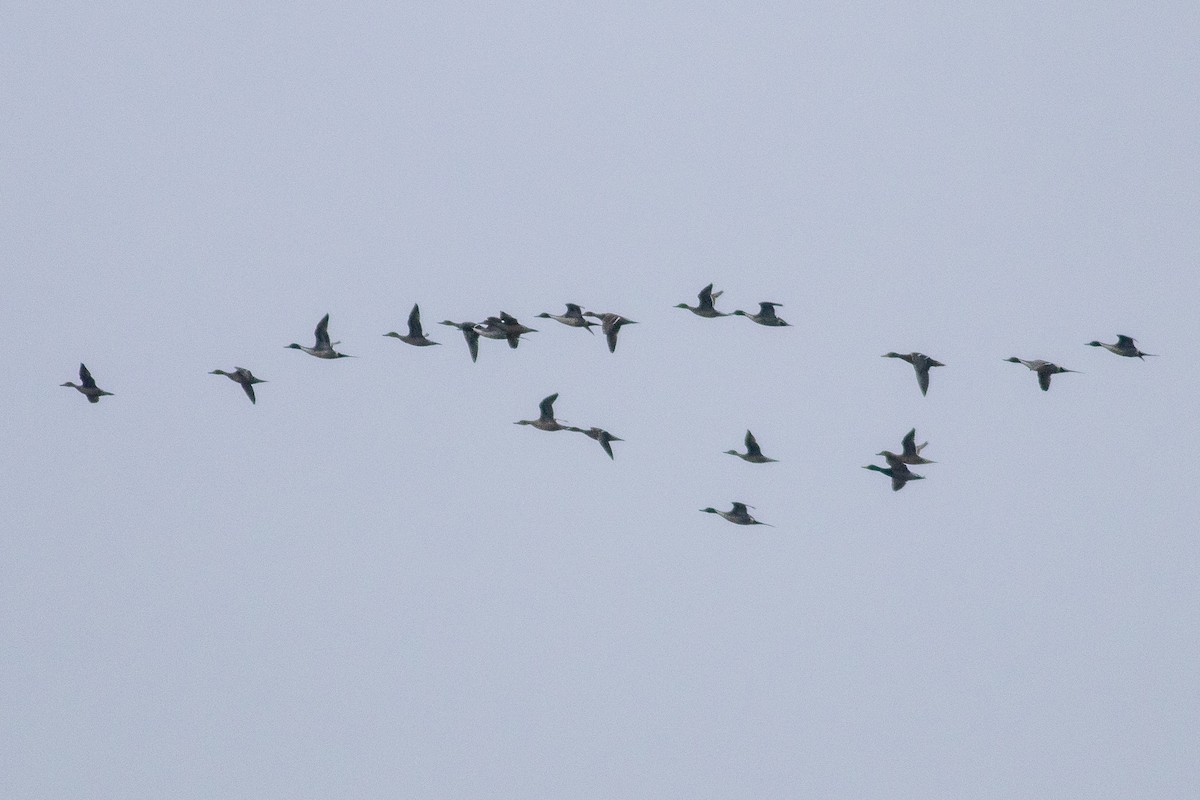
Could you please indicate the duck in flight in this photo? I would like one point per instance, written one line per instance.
(765, 316)
(1125, 346)
(898, 472)
(921, 364)
(323, 348)
(87, 386)
(611, 325)
(546, 420)
(469, 333)
(705, 307)
(753, 452)
(1044, 370)
(910, 451)
(574, 318)
(416, 336)
(242, 376)
(738, 515)
(504, 327)
(600, 435)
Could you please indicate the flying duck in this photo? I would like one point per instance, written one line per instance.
(242, 376)
(504, 327)
(705, 307)
(600, 435)
(921, 364)
(1125, 346)
(546, 421)
(738, 515)
(1044, 370)
(87, 386)
(469, 333)
(753, 452)
(574, 317)
(323, 348)
(611, 325)
(898, 472)
(765, 316)
(415, 336)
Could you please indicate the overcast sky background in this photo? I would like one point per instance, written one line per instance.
(372, 584)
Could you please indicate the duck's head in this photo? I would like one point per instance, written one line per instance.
(218, 372)
(891, 355)
(68, 383)
(709, 510)
(875, 467)
(1014, 360)
(739, 313)
(1094, 344)
(292, 346)
(682, 305)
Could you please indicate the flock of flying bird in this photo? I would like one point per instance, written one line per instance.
(508, 328)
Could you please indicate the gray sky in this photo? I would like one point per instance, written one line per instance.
(371, 584)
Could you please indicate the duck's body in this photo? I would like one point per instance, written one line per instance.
(323, 347)
(738, 515)
(1124, 346)
(574, 317)
(87, 386)
(611, 325)
(469, 333)
(416, 336)
(753, 452)
(504, 327)
(242, 376)
(920, 363)
(898, 472)
(546, 420)
(600, 435)
(765, 316)
(911, 451)
(1044, 370)
(705, 307)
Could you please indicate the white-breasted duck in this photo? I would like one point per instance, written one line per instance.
(705, 307)
(738, 515)
(469, 333)
(600, 435)
(546, 420)
(1044, 370)
(574, 317)
(416, 336)
(242, 376)
(910, 452)
(504, 327)
(611, 325)
(898, 472)
(87, 386)
(323, 348)
(765, 316)
(1125, 346)
(920, 363)
(753, 452)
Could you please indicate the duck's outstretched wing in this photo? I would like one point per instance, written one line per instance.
(322, 333)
